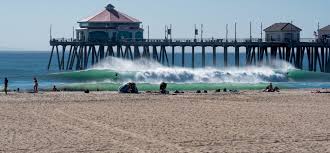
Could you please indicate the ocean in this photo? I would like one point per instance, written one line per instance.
(20, 67)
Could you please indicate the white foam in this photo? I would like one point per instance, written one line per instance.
(152, 72)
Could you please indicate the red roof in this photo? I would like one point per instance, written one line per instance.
(111, 15)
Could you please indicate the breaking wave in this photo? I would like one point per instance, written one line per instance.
(147, 71)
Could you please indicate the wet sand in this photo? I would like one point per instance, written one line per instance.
(251, 121)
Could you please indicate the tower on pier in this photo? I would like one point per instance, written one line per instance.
(109, 25)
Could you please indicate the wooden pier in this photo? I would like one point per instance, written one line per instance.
(79, 55)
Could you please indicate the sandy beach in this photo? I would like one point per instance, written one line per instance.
(251, 121)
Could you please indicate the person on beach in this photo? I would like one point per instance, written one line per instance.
(55, 89)
(270, 88)
(129, 88)
(163, 87)
(6, 86)
(35, 87)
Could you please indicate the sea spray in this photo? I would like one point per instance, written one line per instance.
(148, 71)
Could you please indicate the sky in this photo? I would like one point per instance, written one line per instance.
(25, 24)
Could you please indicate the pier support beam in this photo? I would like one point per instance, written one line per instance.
(58, 59)
(63, 56)
(327, 63)
(86, 56)
(322, 68)
(193, 57)
(51, 56)
(183, 52)
(316, 55)
(248, 55)
(154, 53)
(236, 56)
(254, 56)
(214, 56)
(203, 56)
(173, 55)
(101, 52)
(120, 52)
(136, 53)
(225, 56)
(146, 52)
(69, 58)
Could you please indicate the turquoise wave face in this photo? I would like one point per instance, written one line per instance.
(110, 76)
(308, 76)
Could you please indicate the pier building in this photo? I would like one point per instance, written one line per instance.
(109, 25)
(324, 33)
(283, 32)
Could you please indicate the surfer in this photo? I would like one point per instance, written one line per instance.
(116, 76)
(6, 85)
(35, 87)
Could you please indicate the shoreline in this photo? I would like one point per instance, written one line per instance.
(171, 91)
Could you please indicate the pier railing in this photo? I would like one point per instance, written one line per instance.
(187, 40)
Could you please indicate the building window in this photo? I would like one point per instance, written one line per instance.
(125, 35)
(98, 36)
(139, 35)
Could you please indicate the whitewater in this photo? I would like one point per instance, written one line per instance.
(148, 71)
(114, 72)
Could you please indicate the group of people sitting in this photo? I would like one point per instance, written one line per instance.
(132, 88)
(129, 88)
(270, 88)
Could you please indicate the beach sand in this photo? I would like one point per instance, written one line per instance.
(251, 121)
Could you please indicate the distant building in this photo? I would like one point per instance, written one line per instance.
(324, 33)
(283, 32)
(109, 25)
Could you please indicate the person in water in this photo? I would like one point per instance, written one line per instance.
(6, 86)
(35, 87)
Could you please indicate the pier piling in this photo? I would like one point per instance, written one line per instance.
(79, 53)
